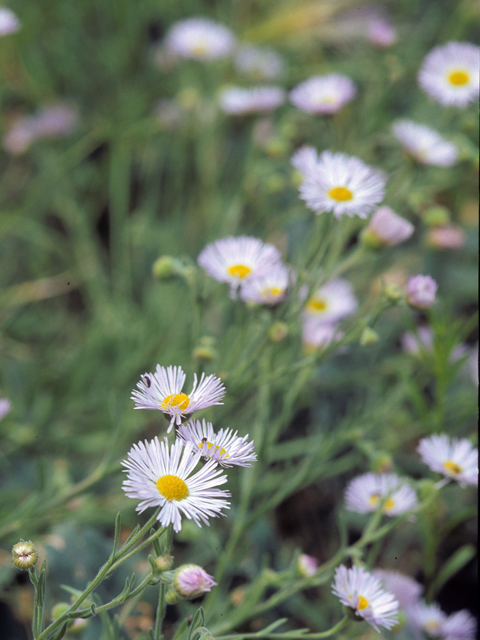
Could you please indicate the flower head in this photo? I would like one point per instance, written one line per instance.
(24, 554)
(386, 228)
(9, 23)
(332, 302)
(162, 476)
(199, 39)
(307, 565)
(162, 390)
(363, 593)
(319, 335)
(449, 73)
(239, 101)
(191, 581)
(258, 63)
(236, 260)
(380, 32)
(224, 447)
(428, 618)
(5, 406)
(365, 493)
(452, 457)
(460, 625)
(305, 160)
(342, 184)
(424, 144)
(269, 289)
(323, 94)
(421, 292)
(405, 589)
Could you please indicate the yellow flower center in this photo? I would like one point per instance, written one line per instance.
(200, 49)
(363, 603)
(452, 467)
(172, 488)
(209, 446)
(317, 305)
(458, 77)
(176, 401)
(374, 499)
(341, 194)
(272, 292)
(239, 270)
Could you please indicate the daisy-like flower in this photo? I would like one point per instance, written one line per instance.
(405, 589)
(236, 260)
(305, 160)
(452, 457)
(363, 593)
(225, 447)
(342, 184)
(191, 581)
(449, 73)
(162, 390)
(332, 302)
(307, 565)
(199, 39)
(9, 23)
(319, 335)
(421, 292)
(386, 229)
(365, 493)
(259, 63)
(238, 101)
(323, 95)
(269, 289)
(425, 144)
(428, 618)
(459, 626)
(162, 476)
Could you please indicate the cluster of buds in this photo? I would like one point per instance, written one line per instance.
(187, 582)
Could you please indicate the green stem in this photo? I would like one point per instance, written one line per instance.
(294, 635)
(162, 603)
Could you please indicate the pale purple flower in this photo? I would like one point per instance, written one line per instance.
(452, 457)
(424, 144)
(460, 625)
(191, 581)
(332, 302)
(421, 292)
(239, 101)
(5, 406)
(162, 391)
(319, 335)
(163, 476)
(199, 39)
(9, 23)
(268, 289)
(405, 589)
(448, 236)
(387, 228)
(342, 184)
(307, 565)
(426, 618)
(365, 493)
(259, 63)
(450, 73)
(305, 160)
(380, 32)
(422, 341)
(363, 593)
(323, 95)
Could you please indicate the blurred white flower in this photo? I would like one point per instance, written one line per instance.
(380, 32)
(259, 63)
(199, 39)
(319, 335)
(268, 289)
(366, 492)
(342, 184)
(305, 160)
(9, 23)
(323, 94)
(424, 144)
(363, 593)
(452, 457)
(240, 101)
(307, 565)
(421, 292)
(5, 406)
(460, 625)
(332, 302)
(428, 618)
(386, 228)
(422, 341)
(191, 581)
(448, 236)
(405, 589)
(450, 73)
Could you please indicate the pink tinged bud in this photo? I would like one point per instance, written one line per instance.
(448, 236)
(421, 292)
(5, 407)
(387, 228)
(381, 33)
(307, 565)
(190, 581)
(24, 554)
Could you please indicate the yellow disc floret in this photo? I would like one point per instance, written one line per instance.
(176, 401)
(316, 305)
(458, 77)
(172, 488)
(363, 603)
(209, 445)
(341, 194)
(239, 271)
(452, 467)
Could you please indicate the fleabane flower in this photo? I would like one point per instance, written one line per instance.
(9, 23)
(342, 184)
(365, 493)
(5, 406)
(259, 63)
(452, 457)
(162, 390)
(322, 95)
(239, 101)
(319, 335)
(405, 589)
(363, 593)
(190, 581)
(236, 260)
(425, 144)
(386, 228)
(269, 289)
(163, 476)
(460, 625)
(421, 292)
(332, 302)
(224, 447)
(305, 160)
(449, 73)
(199, 39)
(428, 618)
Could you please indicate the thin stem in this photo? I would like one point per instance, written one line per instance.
(294, 635)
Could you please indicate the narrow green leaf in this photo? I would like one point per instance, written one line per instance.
(457, 560)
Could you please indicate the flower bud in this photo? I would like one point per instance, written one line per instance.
(164, 563)
(393, 292)
(436, 216)
(381, 462)
(277, 148)
(204, 354)
(190, 581)
(421, 292)
(369, 337)
(278, 332)
(59, 609)
(172, 597)
(166, 268)
(386, 229)
(448, 236)
(307, 565)
(24, 554)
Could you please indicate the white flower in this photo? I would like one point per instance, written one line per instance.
(452, 457)
(270, 288)
(421, 292)
(305, 160)
(258, 63)
(225, 447)
(199, 39)
(342, 184)
(323, 94)
(381, 32)
(160, 476)
(386, 228)
(459, 626)
(162, 390)
(449, 73)
(428, 618)
(5, 406)
(362, 592)
(425, 144)
(331, 302)
(9, 23)
(319, 335)
(190, 581)
(405, 589)
(239, 101)
(234, 260)
(365, 493)
(307, 565)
